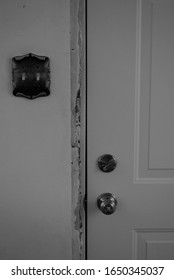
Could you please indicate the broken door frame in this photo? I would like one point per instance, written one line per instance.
(78, 125)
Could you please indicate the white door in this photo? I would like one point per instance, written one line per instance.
(130, 78)
(35, 148)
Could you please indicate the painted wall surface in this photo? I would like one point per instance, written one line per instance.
(35, 150)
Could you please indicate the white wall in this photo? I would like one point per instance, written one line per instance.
(35, 151)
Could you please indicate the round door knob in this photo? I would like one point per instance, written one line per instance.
(107, 163)
(107, 203)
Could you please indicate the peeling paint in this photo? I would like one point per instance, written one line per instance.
(77, 80)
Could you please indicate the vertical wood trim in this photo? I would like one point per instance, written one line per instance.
(78, 113)
(137, 91)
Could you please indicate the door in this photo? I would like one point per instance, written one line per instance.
(35, 135)
(130, 78)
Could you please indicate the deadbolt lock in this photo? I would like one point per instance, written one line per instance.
(107, 163)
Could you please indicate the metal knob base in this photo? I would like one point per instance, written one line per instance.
(107, 203)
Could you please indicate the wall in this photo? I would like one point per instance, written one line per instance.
(35, 148)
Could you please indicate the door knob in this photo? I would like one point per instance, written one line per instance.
(107, 203)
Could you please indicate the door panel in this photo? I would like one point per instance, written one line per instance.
(153, 244)
(155, 42)
(35, 171)
(130, 115)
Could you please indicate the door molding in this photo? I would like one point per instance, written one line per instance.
(143, 174)
(143, 240)
(78, 124)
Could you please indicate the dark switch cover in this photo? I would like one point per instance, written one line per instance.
(31, 76)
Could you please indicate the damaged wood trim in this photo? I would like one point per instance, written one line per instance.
(78, 120)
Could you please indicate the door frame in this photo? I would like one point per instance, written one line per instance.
(78, 55)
